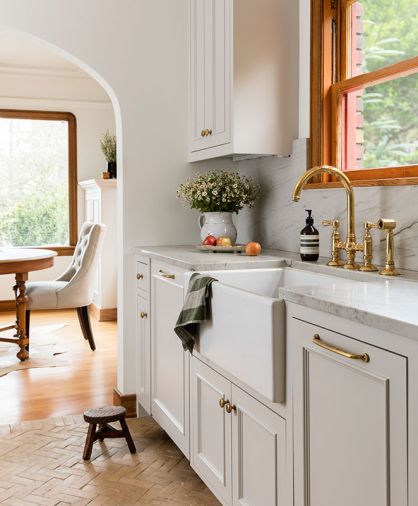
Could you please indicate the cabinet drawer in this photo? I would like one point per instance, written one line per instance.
(142, 277)
(168, 273)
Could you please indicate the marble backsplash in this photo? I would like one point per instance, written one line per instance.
(277, 220)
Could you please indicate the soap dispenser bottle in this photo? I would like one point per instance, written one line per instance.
(309, 240)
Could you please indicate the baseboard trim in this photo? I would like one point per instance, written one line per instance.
(128, 401)
(7, 305)
(103, 314)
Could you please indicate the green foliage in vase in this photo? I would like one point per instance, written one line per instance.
(219, 191)
(108, 146)
(390, 109)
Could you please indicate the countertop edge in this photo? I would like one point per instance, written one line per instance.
(265, 260)
(367, 318)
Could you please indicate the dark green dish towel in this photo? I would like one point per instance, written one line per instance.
(194, 309)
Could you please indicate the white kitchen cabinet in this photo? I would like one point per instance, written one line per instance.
(350, 420)
(169, 362)
(258, 453)
(143, 336)
(240, 455)
(143, 347)
(242, 80)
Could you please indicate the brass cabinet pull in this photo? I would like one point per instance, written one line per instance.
(139, 276)
(203, 133)
(166, 275)
(230, 407)
(143, 315)
(318, 341)
(222, 403)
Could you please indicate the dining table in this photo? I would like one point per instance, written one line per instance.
(20, 262)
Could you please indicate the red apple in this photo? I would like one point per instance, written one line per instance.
(209, 240)
(253, 249)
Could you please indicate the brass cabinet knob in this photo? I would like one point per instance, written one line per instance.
(210, 131)
(230, 407)
(139, 276)
(223, 403)
(203, 133)
(143, 314)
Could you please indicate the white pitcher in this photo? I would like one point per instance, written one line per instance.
(217, 224)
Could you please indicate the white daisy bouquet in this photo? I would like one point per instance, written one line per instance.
(219, 191)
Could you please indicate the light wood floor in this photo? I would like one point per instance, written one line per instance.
(87, 381)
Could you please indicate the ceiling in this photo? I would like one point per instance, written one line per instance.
(24, 54)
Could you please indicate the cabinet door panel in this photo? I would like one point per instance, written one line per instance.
(197, 73)
(210, 58)
(143, 354)
(350, 422)
(258, 453)
(211, 429)
(170, 363)
(217, 70)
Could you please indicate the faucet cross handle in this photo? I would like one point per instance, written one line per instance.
(335, 224)
(335, 242)
(368, 248)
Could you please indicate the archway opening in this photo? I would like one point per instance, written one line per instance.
(40, 84)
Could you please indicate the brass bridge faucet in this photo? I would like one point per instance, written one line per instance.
(350, 245)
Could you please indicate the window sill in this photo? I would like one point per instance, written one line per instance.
(62, 251)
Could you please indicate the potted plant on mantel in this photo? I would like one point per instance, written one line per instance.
(217, 195)
(108, 145)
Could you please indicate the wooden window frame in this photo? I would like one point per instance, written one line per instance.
(66, 250)
(329, 83)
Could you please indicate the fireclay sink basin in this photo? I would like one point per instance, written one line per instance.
(245, 334)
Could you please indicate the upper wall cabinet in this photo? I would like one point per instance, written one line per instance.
(243, 77)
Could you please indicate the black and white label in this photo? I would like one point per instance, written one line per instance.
(309, 244)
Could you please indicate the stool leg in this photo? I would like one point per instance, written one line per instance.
(127, 434)
(102, 428)
(89, 441)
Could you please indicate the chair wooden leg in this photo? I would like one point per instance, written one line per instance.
(127, 434)
(27, 316)
(84, 319)
(89, 441)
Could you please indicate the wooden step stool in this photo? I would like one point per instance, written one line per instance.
(102, 417)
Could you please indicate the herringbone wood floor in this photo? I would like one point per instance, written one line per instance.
(41, 464)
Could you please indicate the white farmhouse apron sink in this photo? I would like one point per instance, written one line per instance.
(245, 334)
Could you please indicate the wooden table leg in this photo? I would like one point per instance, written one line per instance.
(21, 301)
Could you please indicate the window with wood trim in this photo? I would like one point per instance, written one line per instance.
(364, 89)
(38, 174)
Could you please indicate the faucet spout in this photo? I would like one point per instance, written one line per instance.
(326, 169)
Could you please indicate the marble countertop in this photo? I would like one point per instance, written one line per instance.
(190, 258)
(389, 304)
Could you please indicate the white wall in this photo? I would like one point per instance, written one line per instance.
(94, 113)
(137, 50)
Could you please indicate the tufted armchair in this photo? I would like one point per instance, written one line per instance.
(75, 287)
